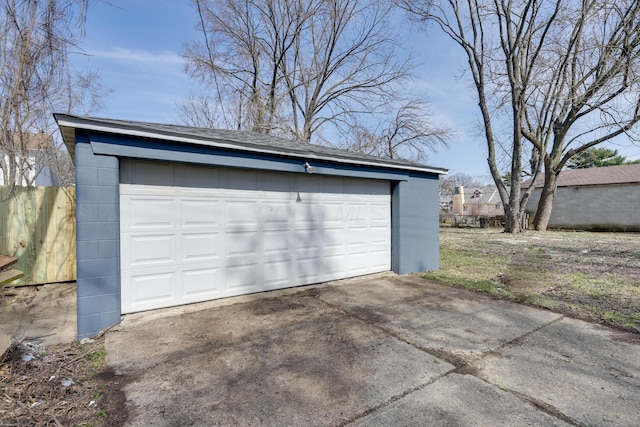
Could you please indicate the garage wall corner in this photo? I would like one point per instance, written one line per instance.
(98, 240)
(415, 236)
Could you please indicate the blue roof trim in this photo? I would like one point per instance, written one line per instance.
(139, 148)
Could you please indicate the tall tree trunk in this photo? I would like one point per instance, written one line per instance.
(512, 219)
(545, 204)
(306, 130)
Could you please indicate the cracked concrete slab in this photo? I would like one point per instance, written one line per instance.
(587, 372)
(458, 400)
(435, 317)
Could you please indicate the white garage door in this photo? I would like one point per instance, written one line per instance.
(191, 234)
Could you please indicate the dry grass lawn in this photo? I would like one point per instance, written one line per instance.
(594, 276)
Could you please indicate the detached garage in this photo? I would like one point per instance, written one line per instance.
(171, 215)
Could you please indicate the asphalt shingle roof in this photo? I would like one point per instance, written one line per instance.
(606, 175)
(487, 195)
(230, 139)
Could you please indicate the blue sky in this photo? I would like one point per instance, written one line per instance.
(136, 44)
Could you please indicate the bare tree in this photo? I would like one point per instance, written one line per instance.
(406, 132)
(345, 65)
(201, 111)
(245, 44)
(35, 79)
(291, 67)
(500, 38)
(449, 183)
(590, 94)
(564, 72)
(36, 38)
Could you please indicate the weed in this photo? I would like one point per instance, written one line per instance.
(98, 357)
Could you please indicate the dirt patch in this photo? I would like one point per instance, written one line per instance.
(59, 385)
(113, 399)
(46, 313)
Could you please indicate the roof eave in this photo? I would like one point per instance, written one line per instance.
(68, 124)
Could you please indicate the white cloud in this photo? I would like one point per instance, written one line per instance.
(128, 55)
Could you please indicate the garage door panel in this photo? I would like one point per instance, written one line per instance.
(145, 250)
(201, 246)
(379, 214)
(309, 269)
(145, 291)
(202, 283)
(358, 250)
(378, 234)
(379, 249)
(255, 231)
(241, 243)
(359, 236)
(357, 213)
(148, 213)
(334, 247)
(275, 215)
(279, 257)
(308, 216)
(333, 238)
(307, 223)
(359, 262)
(277, 273)
(201, 213)
(308, 243)
(241, 213)
(332, 265)
(276, 242)
(307, 237)
(379, 260)
(242, 279)
(335, 213)
(335, 258)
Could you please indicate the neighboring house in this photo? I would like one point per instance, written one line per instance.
(445, 203)
(600, 198)
(169, 215)
(481, 201)
(34, 167)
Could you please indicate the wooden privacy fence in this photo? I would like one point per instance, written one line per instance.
(38, 226)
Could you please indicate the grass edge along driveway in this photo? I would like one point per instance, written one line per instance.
(592, 276)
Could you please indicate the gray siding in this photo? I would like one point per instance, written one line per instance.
(98, 240)
(593, 207)
(415, 226)
(135, 148)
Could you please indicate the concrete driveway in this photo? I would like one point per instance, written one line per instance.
(381, 350)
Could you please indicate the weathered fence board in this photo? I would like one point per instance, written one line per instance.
(38, 226)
